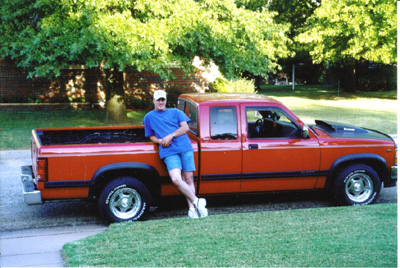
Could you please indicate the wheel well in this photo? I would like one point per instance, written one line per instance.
(147, 177)
(376, 164)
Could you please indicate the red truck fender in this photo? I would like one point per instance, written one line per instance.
(377, 162)
(147, 174)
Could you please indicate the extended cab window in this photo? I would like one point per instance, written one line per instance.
(223, 123)
(191, 111)
(268, 122)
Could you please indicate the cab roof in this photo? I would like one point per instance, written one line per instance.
(226, 97)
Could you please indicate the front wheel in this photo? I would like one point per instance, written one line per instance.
(357, 185)
(124, 199)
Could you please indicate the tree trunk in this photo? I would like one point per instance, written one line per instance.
(349, 76)
(115, 99)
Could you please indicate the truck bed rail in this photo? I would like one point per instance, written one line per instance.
(58, 137)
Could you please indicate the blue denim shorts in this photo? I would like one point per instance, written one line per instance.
(183, 161)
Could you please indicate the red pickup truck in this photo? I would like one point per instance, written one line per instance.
(242, 144)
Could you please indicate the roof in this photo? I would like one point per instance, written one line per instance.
(227, 97)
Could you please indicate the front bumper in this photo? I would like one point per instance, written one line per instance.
(31, 195)
(393, 173)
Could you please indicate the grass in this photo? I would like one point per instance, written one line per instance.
(16, 126)
(363, 236)
(374, 110)
(323, 92)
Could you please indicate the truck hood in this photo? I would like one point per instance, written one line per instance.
(339, 130)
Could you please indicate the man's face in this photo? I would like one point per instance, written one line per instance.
(160, 104)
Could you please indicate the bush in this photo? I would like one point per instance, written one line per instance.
(241, 85)
(220, 85)
(172, 96)
(377, 77)
(138, 104)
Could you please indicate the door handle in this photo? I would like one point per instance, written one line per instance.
(253, 146)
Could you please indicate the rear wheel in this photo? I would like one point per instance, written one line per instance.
(357, 185)
(124, 199)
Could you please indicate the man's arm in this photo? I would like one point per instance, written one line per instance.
(155, 139)
(167, 140)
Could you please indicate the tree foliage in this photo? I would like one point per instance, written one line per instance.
(352, 30)
(45, 36)
(294, 12)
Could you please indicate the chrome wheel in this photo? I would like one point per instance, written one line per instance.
(125, 203)
(124, 199)
(357, 184)
(359, 187)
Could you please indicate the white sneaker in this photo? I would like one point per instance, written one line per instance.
(200, 205)
(193, 214)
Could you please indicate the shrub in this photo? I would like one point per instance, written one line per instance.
(377, 77)
(172, 96)
(137, 103)
(220, 85)
(240, 85)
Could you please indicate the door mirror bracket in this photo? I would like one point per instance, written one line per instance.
(304, 133)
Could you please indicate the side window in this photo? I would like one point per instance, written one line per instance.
(181, 105)
(223, 123)
(191, 111)
(267, 122)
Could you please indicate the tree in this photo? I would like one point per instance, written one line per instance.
(45, 36)
(292, 14)
(348, 31)
(295, 13)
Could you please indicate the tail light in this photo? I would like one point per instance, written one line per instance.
(42, 169)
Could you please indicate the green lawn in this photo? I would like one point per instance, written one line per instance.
(323, 92)
(375, 110)
(363, 236)
(16, 126)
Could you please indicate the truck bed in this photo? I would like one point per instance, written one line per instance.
(91, 136)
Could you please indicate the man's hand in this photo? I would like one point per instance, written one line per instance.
(166, 141)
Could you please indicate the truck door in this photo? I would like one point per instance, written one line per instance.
(221, 150)
(275, 156)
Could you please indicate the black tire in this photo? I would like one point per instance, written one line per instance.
(357, 185)
(124, 199)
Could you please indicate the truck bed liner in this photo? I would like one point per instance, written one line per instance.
(86, 136)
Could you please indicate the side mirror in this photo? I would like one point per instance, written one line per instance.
(304, 133)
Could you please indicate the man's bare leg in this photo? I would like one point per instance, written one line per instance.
(186, 189)
(188, 179)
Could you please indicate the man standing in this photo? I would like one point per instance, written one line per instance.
(168, 128)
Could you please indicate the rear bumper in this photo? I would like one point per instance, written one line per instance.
(31, 195)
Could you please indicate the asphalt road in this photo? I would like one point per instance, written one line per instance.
(16, 215)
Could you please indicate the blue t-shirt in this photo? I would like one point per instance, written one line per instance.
(163, 123)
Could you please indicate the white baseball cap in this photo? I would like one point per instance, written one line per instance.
(158, 94)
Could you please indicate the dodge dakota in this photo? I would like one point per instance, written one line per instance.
(242, 144)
